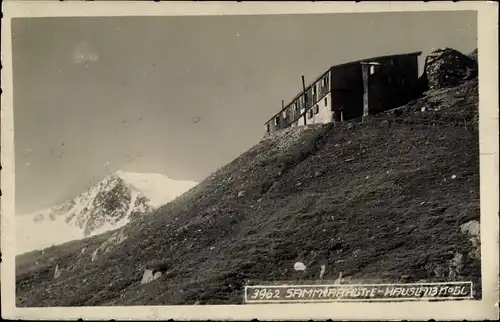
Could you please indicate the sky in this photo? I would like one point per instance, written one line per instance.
(181, 96)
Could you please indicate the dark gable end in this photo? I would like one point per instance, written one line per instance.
(376, 59)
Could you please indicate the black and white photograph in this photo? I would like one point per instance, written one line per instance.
(262, 160)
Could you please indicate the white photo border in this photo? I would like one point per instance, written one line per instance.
(487, 308)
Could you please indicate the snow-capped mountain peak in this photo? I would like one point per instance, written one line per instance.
(158, 188)
(107, 205)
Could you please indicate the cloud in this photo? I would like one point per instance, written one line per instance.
(83, 52)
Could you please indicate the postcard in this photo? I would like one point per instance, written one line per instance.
(249, 160)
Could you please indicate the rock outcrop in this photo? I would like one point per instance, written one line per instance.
(448, 67)
(150, 275)
(154, 271)
(116, 239)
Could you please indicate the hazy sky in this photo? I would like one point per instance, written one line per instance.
(180, 96)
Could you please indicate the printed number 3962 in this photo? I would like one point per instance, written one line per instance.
(265, 294)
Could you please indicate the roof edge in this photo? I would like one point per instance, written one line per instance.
(415, 53)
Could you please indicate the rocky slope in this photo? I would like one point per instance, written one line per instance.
(108, 205)
(391, 198)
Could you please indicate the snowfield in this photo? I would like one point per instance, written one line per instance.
(108, 205)
(158, 188)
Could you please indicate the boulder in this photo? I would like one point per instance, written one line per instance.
(448, 67)
(472, 230)
(149, 276)
(155, 270)
(57, 271)
(299, 266)
(116, 239)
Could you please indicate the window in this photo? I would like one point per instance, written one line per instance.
(316, 109)
(277, 120)
(326, 101)
(310, 113)
(314, 90)
(268, 127)
(372, 70)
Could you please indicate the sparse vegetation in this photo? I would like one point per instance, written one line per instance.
(382, 199)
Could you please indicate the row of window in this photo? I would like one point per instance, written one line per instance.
(319, 88)
(324, 85)
(298, 105)
(313, 111)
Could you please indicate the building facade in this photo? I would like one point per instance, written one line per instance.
(352, 90)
